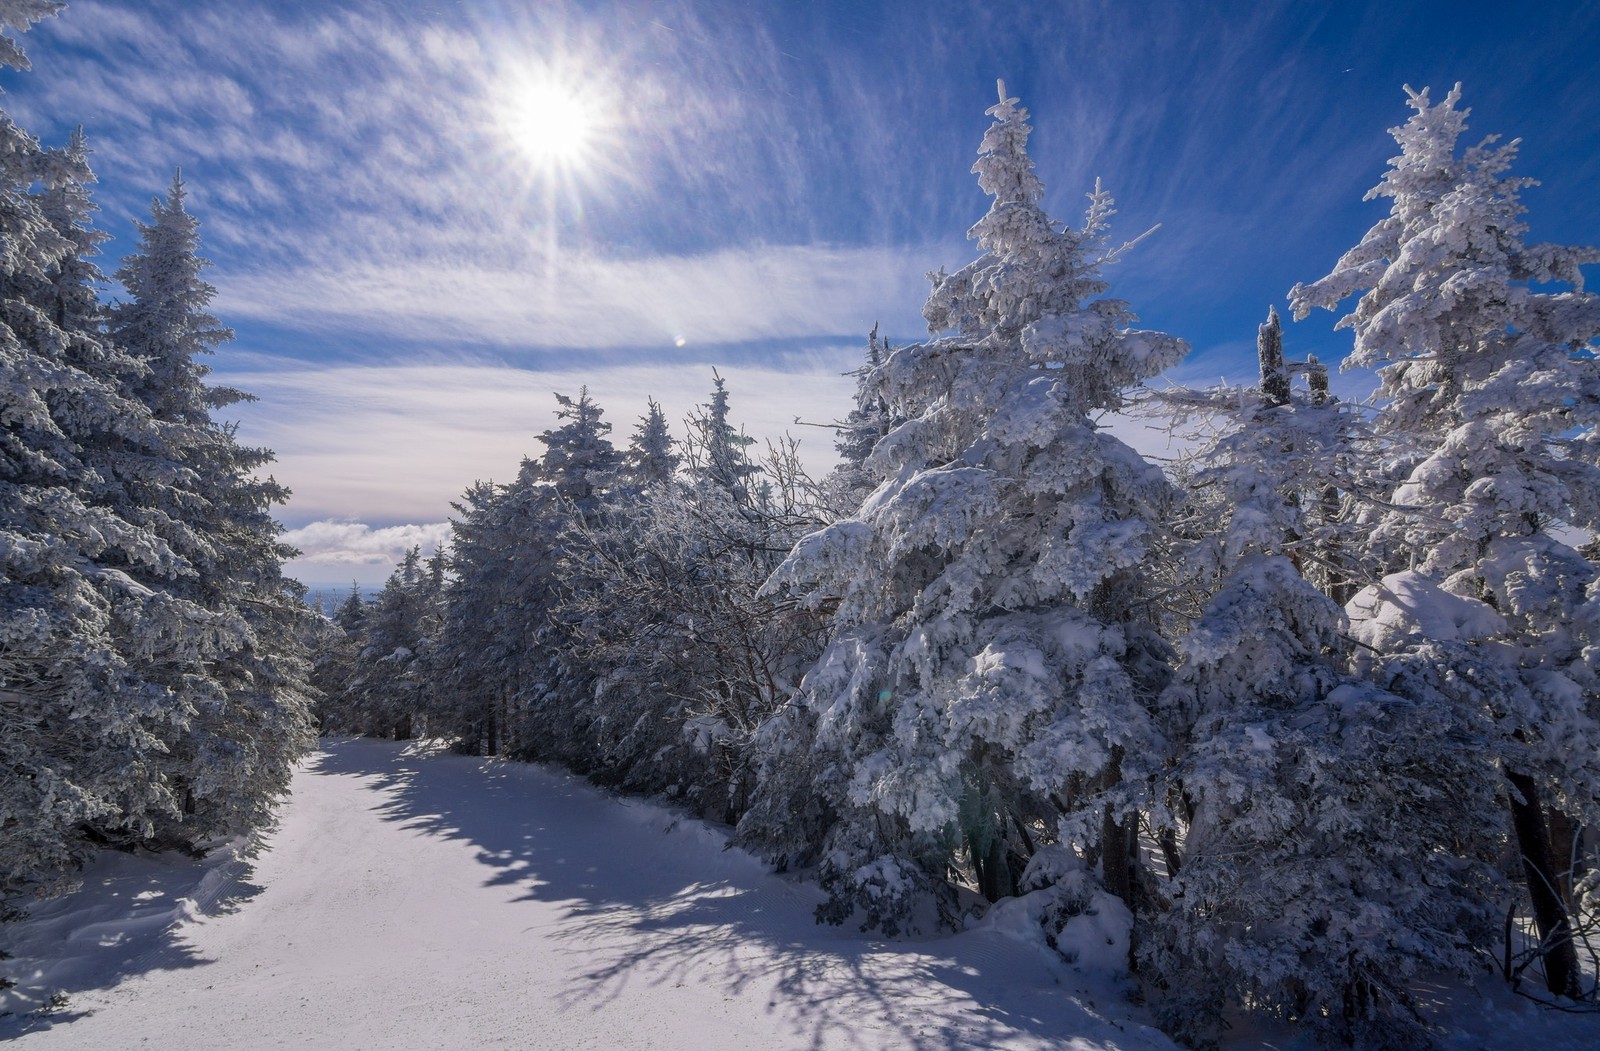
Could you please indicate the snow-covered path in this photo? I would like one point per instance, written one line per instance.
(446, 902)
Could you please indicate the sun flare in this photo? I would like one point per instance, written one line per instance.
(550, 124)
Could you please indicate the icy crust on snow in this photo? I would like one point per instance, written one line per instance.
(1408, 606)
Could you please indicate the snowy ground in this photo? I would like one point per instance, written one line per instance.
(442, 902)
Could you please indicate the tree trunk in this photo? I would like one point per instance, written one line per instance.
(1533, 841)
(1563, 841)
(1117, 860)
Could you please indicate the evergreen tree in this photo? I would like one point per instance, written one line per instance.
(866, 424)
(993, 665)
(579, 463)
(251, 697)
(336, 666)
(83, 715)
(389, 693)
(660, 596)
(651, 459)
(1311, 821)
(1490, 395)
(578, 471)
(352, 613)
(502, 642)
(470, 697)
(716, 451)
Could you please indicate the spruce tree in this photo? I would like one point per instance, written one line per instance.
(651, 458)
(1490, 395)
(1310, 823)
(251, 697)
(85, 712)
(993, 663)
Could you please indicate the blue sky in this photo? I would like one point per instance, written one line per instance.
(766, 181)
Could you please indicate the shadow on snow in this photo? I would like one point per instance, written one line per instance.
(654, 897)
(124, 920)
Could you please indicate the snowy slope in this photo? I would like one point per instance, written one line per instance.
(444, 902)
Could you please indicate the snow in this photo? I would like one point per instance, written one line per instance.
(408, 900)
(426, 901)
(1407, 604)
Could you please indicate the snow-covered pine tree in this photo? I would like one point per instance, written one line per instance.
(471, 696)
(993, 667)
(83, 716)
(250, 697)
(1311, 821)
(651, 458)
(390, 692)
(499, 656)
(661, 594)
(715, 450)
(352, 612)
(579, 463)
(868, 421)
(1490, 394)
(336, 665)
(578, 473)
(1314, 457)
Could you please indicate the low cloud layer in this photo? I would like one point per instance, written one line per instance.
(337, 551)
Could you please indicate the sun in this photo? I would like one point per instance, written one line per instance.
(550, 124)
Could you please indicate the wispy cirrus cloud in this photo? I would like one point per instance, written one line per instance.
(582, 302)
(771, 176)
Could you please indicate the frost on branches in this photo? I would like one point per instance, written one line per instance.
(152, 685)
(992, 664)
(1490, 394)
(1310, 818)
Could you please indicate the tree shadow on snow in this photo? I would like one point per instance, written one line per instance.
(655, 897)
(124, 920)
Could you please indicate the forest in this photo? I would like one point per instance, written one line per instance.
(1314, 709)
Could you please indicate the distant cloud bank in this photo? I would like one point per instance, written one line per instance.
(331, 550)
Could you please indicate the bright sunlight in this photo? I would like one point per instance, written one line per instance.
(549, 123)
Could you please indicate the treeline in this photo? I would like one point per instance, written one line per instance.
(153, 673)
(1307, 706)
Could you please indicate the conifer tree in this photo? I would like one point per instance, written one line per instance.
(251, 697)
(717, 452)
(470, 699)
(1312, 823)
(84, 715)
(651, 458)
(389, 695)
(502, 641)
(865, 425)
(993, 665)
(660, 599)
(1490, 395)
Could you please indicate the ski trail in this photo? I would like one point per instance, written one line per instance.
(442, 902)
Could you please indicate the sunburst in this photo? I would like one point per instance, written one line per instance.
(551, 124)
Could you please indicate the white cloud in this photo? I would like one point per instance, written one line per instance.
(346, 550)
(731, 296)
(396, 443)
